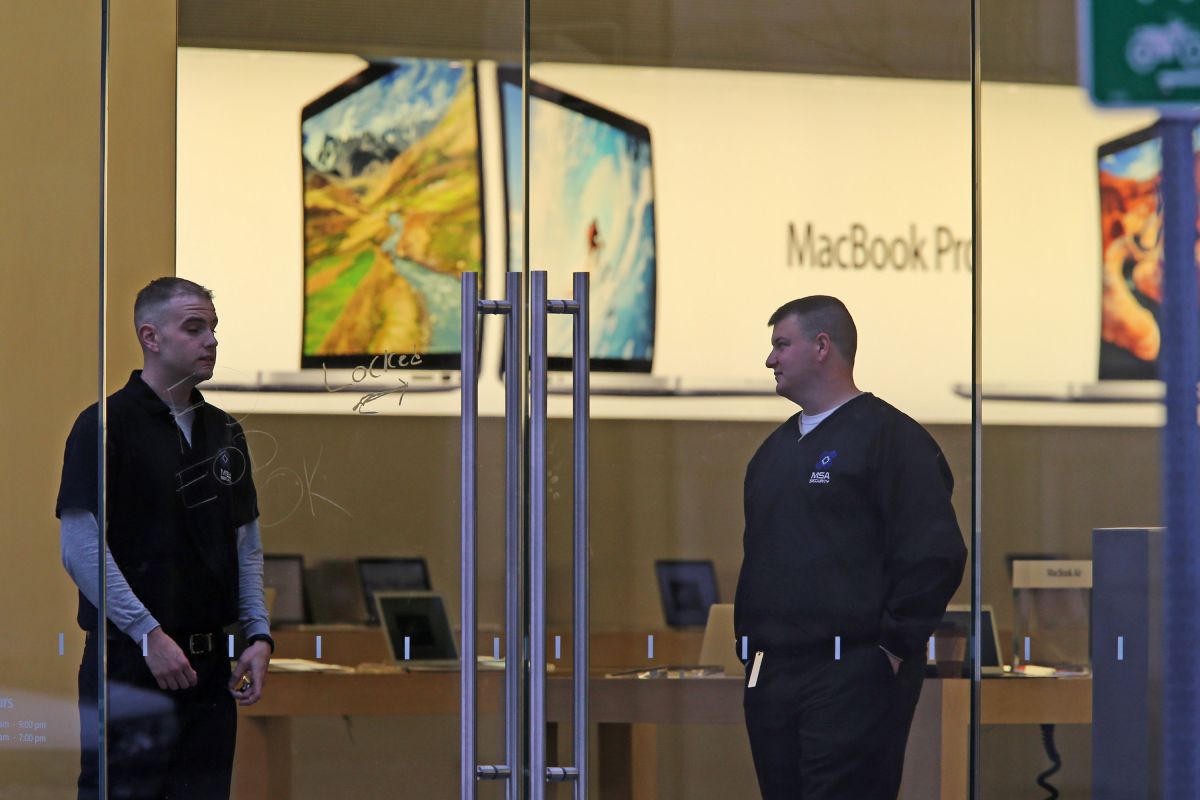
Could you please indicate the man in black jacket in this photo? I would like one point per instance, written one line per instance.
(851, 553)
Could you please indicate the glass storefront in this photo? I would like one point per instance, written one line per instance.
(729, 163)
(341, 177)
(1065, 354)
(377, 187)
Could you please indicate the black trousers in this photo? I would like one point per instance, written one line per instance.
(826, 729)
(161, 744)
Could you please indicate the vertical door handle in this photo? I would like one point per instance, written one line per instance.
(581, 409)
(541, 307)
(514, 650)
(537, 536)
(469, 371)
(472, 306)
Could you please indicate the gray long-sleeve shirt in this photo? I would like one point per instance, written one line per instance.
(79, 537)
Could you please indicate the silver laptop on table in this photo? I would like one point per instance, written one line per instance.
(417, 629)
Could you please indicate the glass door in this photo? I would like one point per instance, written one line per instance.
(52, 267)
(330, 181)
(1072, 559)
(705, 167)
(339, 175)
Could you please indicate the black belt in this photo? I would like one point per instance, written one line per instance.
(196, 644)
(818, 648)
(199, 644)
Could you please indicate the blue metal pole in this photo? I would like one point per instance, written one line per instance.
(1180, 369)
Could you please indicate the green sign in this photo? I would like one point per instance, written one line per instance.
(1141, 52)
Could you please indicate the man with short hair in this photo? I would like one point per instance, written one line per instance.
(184, 561)
(851, 553)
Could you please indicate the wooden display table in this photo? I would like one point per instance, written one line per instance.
(624, 710)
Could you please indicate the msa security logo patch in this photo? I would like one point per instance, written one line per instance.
(821, 471)
(223, 473)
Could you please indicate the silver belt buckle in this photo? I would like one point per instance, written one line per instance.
(200, 643)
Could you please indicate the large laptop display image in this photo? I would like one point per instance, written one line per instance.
(392, 213)
(1131, 238)
(591, 201)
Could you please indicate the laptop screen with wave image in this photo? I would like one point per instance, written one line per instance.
(592, 209)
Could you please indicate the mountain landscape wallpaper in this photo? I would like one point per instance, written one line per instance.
(391, 212)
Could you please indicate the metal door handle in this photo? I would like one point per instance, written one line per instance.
(581, 402)
(578, 308)
(537, 536)
(469, 372)
(514, 655)
(472, 306)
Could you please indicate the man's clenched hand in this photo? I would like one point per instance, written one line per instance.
(167, 662)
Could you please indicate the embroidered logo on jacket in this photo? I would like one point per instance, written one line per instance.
(223, 473)
(821, 471)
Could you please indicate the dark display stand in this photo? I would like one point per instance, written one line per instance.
(1127, 664)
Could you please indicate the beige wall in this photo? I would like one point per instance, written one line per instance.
(49, 224)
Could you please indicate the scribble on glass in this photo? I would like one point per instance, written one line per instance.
(361, 373)
(371, 397)
(301, 484)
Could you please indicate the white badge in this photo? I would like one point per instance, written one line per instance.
(754, 670)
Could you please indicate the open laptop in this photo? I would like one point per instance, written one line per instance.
(417, 629)
(390, 574)
(687, 588)
(284, 574)
(719, 647)
(989, 639)
(335, 593)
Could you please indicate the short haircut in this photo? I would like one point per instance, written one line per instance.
(160, 291)
(820, 313)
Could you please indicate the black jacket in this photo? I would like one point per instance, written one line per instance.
(173, 509)
(849, 532)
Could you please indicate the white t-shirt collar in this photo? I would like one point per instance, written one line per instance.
(810, 421)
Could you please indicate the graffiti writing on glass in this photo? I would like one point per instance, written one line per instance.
(301, 483)
(230, 464)
(391, 361)
(227, 466)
